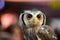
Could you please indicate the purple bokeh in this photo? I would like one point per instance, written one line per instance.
(2, 3)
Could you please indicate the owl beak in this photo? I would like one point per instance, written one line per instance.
(34, 22)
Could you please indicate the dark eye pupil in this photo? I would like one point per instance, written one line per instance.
(29, 16)
(38, 16)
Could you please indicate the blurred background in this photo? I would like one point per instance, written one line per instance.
(51, 8)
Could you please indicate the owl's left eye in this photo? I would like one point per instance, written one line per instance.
(29, 16)
(38, 16)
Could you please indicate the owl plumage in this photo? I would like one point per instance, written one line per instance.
(33, 25)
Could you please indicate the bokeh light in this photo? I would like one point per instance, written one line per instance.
(2, 3)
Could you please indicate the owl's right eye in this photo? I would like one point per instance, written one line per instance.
(29, 16)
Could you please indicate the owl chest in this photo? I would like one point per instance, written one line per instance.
(31, 36)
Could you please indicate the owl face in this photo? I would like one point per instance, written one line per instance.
(32, 18)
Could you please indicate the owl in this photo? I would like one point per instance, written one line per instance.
(33, 24)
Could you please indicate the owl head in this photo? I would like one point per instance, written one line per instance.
(32, 18)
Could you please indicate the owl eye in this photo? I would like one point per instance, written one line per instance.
(38, 16)
(29, 16)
